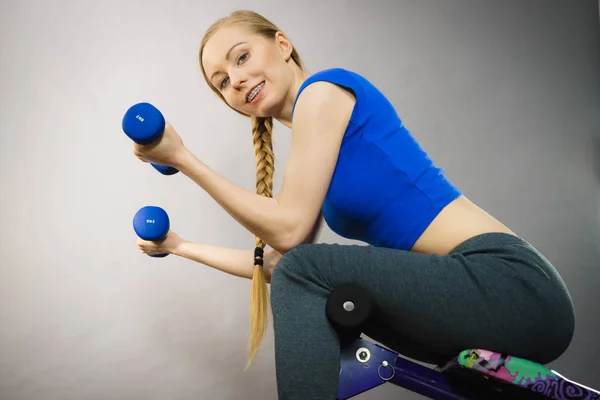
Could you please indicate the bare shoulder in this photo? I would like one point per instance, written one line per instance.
(325, 100)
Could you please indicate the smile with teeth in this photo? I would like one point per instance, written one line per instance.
(254, 92)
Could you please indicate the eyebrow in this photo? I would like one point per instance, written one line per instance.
(227, 57)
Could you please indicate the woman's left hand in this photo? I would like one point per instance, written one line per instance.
(167, 151)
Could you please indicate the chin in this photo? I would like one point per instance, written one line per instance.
(261, 112)
(266, 107)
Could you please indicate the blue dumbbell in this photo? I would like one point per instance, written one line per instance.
(151, 223)
(144, 124)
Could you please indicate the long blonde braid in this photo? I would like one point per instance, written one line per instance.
(262, 129)
(265, 169)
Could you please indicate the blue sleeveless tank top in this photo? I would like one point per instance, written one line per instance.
(385, 189)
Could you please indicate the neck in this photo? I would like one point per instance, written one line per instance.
(285, 116)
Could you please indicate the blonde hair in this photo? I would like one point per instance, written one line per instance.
(262, 128)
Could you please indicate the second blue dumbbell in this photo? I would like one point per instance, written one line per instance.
(152, 223)
(144, 124)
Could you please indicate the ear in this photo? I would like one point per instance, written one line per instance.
(284, 45)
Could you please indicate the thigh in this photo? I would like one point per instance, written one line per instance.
(440, 304)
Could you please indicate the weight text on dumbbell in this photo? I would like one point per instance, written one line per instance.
(140, 118)
(150, 221)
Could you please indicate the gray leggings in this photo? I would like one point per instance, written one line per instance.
(494, 291)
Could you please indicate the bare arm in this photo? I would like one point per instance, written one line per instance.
(272, 256)
(323, 112)
(314, 233)
(236, 262)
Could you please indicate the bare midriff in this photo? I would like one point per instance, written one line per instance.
(460, 220)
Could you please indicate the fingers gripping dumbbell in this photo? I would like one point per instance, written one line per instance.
(151, 223)
(144, 124)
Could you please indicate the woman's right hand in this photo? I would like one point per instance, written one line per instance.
(164, 246)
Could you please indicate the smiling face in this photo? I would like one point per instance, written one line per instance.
(250, 71)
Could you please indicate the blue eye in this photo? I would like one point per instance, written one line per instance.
(242, 56)
(222, 82)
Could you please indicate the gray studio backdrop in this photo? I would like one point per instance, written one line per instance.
(505, 96)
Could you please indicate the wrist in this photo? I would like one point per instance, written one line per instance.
(184, 160)
(178, 249)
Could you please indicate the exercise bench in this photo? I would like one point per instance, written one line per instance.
(473, 374)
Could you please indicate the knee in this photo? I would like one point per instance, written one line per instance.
(300, 266)
(292, 263)
(288, 278)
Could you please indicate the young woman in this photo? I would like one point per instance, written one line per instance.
(445, 274)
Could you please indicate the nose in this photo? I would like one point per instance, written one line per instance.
(237, 80)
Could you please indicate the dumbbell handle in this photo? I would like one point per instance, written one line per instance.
(152, 223)
(144, 124)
